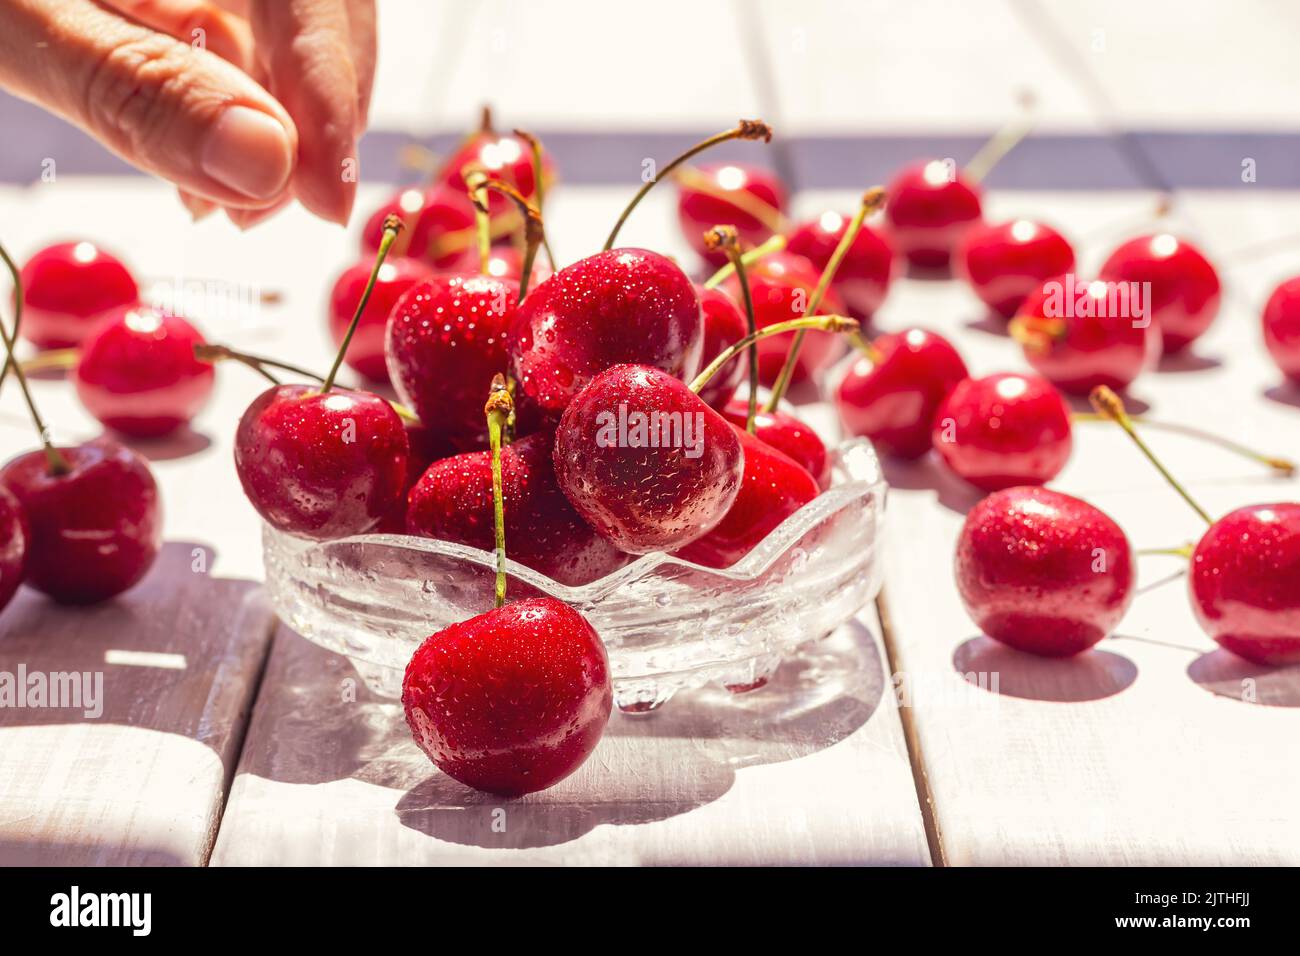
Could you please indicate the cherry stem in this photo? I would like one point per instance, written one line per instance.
(1284, 466)
(55, 358)
(859, 342)
(746, 202)
(392, 226)
(499, 408)
(57, 463)
(775, 244)
(872, 200)
(476, 181)
(746, 129)
(539, 185)
(1002, 142)
(1111, 406)
(534, 231)
(825, 323)
(461, 239)
(725, 238)
(1036, 334)
(1182, 551)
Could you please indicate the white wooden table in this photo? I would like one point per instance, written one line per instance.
(229, 740)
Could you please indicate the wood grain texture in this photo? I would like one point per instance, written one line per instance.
(809, 770)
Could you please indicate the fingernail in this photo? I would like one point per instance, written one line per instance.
(248, 151)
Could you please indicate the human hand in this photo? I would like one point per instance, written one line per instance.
(243, 104)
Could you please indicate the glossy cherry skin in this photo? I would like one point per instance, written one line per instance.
(446, 339)
(894, 400)
(504, 157)
(69, 286)
(1004, 430)
(426, 447)
(511, 701)
(96, 529)
(787, 435)
(1282, 328)
(929, 210)
(646, 488)
(620, 306)
(698, 212)
(453, 502)
(781, 286)
(138, 375)
(863, 277)
(1185, 289)
(366, 350)
(724, 326)
(773, 488)
(1043, 572)
(1007, 261)
(15, 534)
(1097, 343)
(440, 224)
(1245, 583)
(318, 464)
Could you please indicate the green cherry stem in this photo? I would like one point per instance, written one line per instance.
(1111, 406)
(725, 238)
(392, 226)
(56, 462)
(1182, 551)
(774, 244)
(539, 185)
(1283, 466)
(872, 200)
(476, 181)
(825, 323)
(534, 231)
(1003, 141)
(745, 129)
(498, 409)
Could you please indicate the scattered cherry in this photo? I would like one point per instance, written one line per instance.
(1282, 328)
(892, 395)
(396, 276)
(1043, 572)
(137, 372)
(750, 198)
(931, 205)
(15, 534)
(862, 279)
(1003, 430)
(1005, 262)
(67, 287)
(1184, 287)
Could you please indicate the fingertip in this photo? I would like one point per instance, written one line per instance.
(248, 151)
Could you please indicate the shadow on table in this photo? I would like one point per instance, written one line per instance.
(675, 760)
(179, 444)
(928, 474)
(1287, 394)
(1224, 674)
(1092, 675)
(1186, 361)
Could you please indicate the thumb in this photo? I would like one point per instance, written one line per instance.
(173, 110)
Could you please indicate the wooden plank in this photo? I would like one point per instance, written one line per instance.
(811, 769)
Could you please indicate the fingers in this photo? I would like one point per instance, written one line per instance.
(361, 24)
(306, 46)
(197, 207)
(202, 25)
(181, 113)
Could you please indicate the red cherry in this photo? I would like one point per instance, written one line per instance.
(1245, 583)
(930, 208)
(95, 529)
(453, 502)
(321, 464)
(1080, 339)
(15, 534)
(69, 286)
(644, 461)
(507, 158)
(511, 701)
(507, 262)
(893, 397)
(787, 435)
(1184, 291)
(863, 278)
(440, 227)
(724, 326)
(781, 286)
(138, 375)
(446, 339)
(396, 276)
(619, 306)
(774, 487)
(699, 211)
(1004, 430)
(1006, 262)
(1282, 328)
(426, 447)
(1043, 572)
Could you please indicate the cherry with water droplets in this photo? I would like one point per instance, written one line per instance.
(862, 280)
(67, 288)
(931, 206)
(1184, 286)
(1281, 321)
(366, 353)
(1004, 263)
(724, 326)
(788, 435)
(1043, 572)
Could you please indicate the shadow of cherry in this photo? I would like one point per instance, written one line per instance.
(1224, 674)
(1092, 675)
(1286, 394)
(181, 443)
(930, 474)
(1186, 361)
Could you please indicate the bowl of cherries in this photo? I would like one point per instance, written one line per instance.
(572, 442)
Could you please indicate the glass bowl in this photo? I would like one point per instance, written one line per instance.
(666, 623)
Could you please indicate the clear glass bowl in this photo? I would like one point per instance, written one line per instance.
(667, 624)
